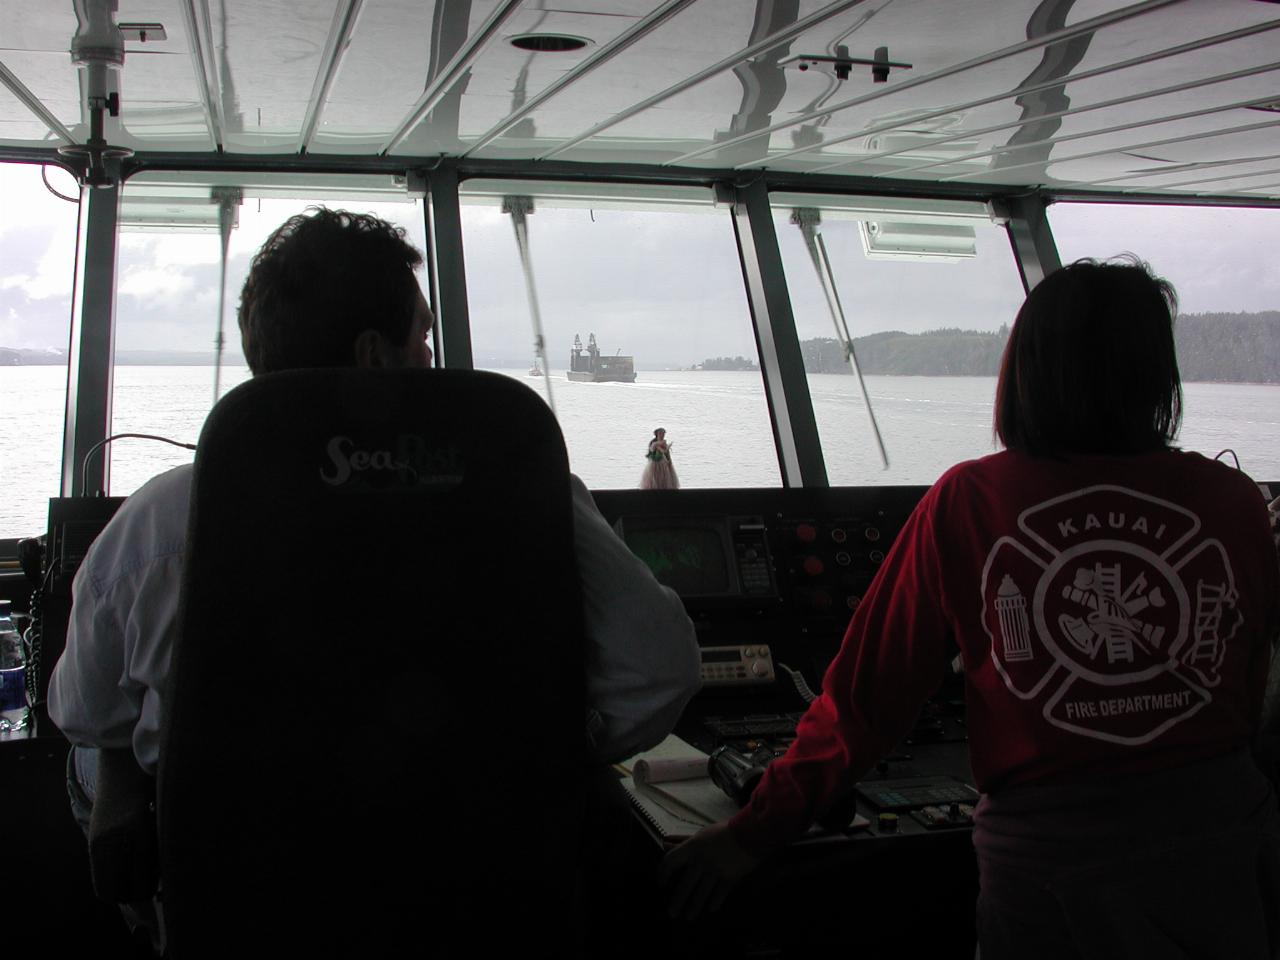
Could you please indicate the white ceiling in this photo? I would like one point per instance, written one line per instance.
(1099, 94)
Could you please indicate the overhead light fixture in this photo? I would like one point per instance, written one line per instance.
(548, 42)
(147, 208)
(887, 240)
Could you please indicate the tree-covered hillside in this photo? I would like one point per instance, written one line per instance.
(938, 353)
(1227, 347)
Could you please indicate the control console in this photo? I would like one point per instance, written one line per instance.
(771, 579)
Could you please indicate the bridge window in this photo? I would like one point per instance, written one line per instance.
(924, 289)
(37, 274)
(1222, 262)
(167, 365)
(652, 274)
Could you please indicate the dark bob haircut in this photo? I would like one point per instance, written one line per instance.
(321, 279)
(1090, 366)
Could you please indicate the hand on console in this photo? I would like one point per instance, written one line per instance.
(700, 874)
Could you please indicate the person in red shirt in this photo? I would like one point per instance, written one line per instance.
(1115, 601)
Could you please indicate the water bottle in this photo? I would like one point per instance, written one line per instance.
(13, 673)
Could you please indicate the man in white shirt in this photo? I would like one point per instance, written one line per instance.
(333, 289)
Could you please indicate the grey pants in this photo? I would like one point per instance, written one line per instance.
(1180, 864)
(144, 918)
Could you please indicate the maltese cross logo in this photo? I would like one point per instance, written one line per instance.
(1111, 611)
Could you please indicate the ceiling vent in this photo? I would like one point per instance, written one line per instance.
(548, 42)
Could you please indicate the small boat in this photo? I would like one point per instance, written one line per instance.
(536, 369)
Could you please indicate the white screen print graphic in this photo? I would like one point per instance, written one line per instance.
(1111, 611)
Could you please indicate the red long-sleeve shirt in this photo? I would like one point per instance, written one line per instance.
(1114, 615)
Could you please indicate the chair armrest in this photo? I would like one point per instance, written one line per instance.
(123, 856)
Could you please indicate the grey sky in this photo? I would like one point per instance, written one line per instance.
(664, 287)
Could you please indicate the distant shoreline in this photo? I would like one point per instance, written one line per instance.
(62, 362)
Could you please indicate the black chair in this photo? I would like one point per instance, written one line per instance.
(375, 740)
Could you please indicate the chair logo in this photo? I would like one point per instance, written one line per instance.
(1112, 611)
(413, 463)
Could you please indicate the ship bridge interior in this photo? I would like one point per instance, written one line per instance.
(745, 134)
(793, 233)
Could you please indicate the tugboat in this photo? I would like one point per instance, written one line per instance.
(594, 368)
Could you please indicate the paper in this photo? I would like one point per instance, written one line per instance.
(668, 771)
(672, 748)
(673, 777)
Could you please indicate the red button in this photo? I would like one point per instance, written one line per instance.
(813, 566)
(805, 533)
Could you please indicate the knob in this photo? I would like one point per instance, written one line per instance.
(839, 535)
(872, 534)
(843, 558)
(876, 556)
(852, 601)
(759, 669)
(888, 822)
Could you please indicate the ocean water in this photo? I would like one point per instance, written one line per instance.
(718, 423)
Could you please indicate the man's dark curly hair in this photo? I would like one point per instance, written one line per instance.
(322, 278)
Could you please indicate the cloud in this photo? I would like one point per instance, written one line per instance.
(162, 284)
(172, 250)
(28, 204)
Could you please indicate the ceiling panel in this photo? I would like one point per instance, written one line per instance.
(1138, 37)
(161, 106)
(1026, 142)
(1018, 166)
(1005, 161)
(1083, 102)
(1141, 172)
(267, 54)
(367, 100)
(18, 124)
(1270, 189)
(52, 77)
(698, 38)
(975, 108)
(943, 35)
(505, 77)
(46, 25)
(161, 98)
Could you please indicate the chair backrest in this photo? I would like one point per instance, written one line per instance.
(375, 737)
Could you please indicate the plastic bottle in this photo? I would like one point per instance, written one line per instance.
(13, 672)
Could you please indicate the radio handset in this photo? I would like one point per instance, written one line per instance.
(735, 773)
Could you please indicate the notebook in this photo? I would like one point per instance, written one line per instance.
(675, 809)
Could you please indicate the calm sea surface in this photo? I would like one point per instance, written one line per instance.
(718, 422)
